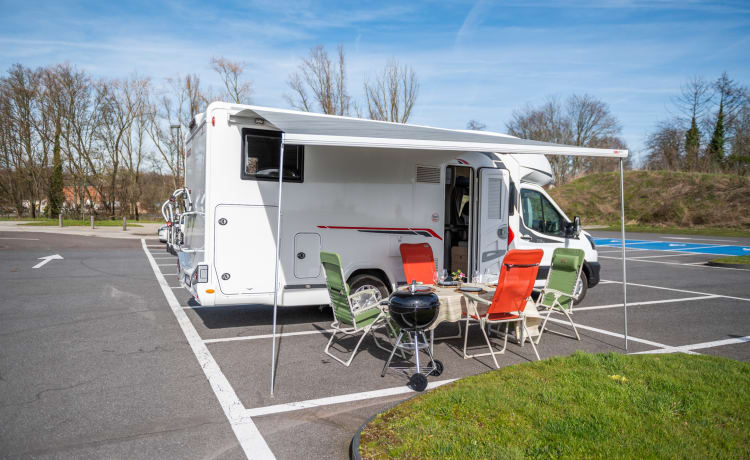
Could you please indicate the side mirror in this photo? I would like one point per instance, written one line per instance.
(576, 227)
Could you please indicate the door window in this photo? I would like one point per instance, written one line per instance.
(540, 215)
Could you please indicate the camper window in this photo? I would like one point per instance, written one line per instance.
(260, 157)
(540, 215)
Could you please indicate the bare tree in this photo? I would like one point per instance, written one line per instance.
(236, 89)
(320, 84)
(692, 102)
(475, 125)
(392, 94)
(582, 120)
(547, 123)
(665, 146)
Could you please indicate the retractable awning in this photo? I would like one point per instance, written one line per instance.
(317, 129)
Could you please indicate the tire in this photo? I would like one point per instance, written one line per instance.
(367, 281)
(584, 287)
(437, 368)
(417, 382)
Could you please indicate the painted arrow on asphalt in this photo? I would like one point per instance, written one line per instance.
(44, 260)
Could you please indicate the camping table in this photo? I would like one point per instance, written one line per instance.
(453, 304)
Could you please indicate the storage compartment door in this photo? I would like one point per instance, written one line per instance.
(493, 221)
(306, 255)
(245, 248)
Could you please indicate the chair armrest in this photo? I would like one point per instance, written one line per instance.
(363, 299)
(476, 298)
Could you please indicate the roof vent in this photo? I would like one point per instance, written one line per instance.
(428, 174)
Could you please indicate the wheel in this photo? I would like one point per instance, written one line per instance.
(418, 382)
(437, 366)
(582, 286)
(366, 281)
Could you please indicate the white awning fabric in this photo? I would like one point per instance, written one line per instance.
(317, 129)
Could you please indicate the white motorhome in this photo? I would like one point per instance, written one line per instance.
(359, 188)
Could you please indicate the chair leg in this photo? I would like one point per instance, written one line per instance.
(390, 358)
(354, 352)
(489, 345)
(572, 323)
(541, 328)
(533, 345)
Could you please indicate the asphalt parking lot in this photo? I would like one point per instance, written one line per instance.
(103, 355)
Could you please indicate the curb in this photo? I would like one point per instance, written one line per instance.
(354, 444)
(737, 266)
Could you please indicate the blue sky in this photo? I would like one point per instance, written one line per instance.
(475, 60)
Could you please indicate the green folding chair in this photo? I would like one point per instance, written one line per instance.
(558, 293)
(358, 313)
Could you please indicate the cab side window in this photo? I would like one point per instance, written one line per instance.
(540, 215)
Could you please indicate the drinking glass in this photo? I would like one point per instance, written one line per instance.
(475, 277)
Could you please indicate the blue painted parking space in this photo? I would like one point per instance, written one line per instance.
(676, 247)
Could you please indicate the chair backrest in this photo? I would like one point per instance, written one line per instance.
(517, 276)
(337, 287)
(419, 264)
(563, 275)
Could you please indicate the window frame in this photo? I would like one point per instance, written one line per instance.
(563, 218)
(275, 135)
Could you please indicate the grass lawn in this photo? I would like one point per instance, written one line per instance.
(77, 223)
(733, 260)
(679, 230)
(579, 406)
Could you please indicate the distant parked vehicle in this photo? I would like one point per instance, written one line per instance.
(162, 232)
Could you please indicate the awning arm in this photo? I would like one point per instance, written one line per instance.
(276, 265)
(624, 265)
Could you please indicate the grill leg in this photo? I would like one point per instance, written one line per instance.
(395, 347)
(416, 350)
(429, 349)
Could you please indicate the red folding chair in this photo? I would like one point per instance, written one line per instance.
(517, 276)
(419, 264)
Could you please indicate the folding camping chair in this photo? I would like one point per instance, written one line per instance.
(356, 313)
(558, 293)
(419, 266)
(517, 276)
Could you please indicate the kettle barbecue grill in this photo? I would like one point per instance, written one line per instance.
(414, 310)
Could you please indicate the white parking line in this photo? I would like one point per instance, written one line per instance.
(652, 302)
(250, 439)
(689, 264)
(613, 334)
(25, 239)
(266, 336)
(663, 255)
(681, 290)
(299, 405)
(698, 239)
(698, 346)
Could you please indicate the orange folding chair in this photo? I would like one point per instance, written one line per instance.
(517, 276)
(419, 264)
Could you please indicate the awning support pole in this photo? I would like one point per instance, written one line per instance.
(624, 271)
(276, 265)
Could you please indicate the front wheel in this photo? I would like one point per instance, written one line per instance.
(366, 281)
(582, 286)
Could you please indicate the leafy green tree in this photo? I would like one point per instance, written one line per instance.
(716, 146)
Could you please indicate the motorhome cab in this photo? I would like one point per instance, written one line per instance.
(359, 188)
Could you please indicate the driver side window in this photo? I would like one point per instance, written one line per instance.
(540, 215)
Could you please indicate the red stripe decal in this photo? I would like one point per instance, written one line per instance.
(430, 231)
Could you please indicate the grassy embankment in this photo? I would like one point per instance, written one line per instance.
(661, 202)
(579, 406)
